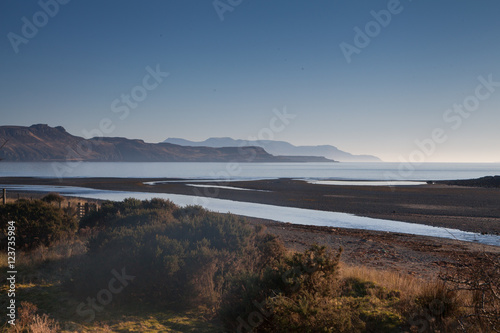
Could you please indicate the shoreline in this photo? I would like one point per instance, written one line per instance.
(423, 257)
(470, 209)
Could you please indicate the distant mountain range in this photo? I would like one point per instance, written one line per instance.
(280, 148)
(44, 143)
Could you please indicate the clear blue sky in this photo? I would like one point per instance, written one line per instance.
(227, 76)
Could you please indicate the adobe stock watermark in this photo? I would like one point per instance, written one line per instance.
(104, 296)
(363, 37)
(223, 6)
(121, 106)
(30, 27)
(138, 94)
(454, 118)
(277, 124)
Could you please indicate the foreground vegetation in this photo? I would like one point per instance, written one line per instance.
(136, 266)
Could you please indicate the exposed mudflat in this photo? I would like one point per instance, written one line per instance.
(467, 208)
(472, 209)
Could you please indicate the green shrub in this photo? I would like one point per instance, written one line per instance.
(281, 289)
(181, 257)
(53, 197)
(37, 222)
(303, 293)
(308, 313)
(111, 213)
(189, 257)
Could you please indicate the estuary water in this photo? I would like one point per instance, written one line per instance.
(326, 173)
(276, 213)
(249, 171)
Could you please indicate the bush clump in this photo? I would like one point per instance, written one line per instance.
(180, 257)
(130, 212)
(53, 197)
(37, 222)
(303, 293)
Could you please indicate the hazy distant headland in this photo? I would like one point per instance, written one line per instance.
(280, 148)
(42, 143)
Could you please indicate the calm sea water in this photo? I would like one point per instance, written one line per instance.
(247, 171)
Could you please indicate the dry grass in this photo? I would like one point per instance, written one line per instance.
(49, 265)
(3, 260)
(409, 286)
(43, 324)
(60, 250)
(30, 321)
(428, 306)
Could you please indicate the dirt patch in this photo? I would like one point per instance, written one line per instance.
(466, 208)
(420, 256)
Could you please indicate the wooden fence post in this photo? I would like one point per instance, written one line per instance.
(4, 196)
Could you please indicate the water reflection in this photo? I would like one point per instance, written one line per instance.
(276, 213)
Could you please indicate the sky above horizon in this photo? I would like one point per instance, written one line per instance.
(405, 80)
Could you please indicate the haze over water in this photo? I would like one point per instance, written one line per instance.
(248, 171)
